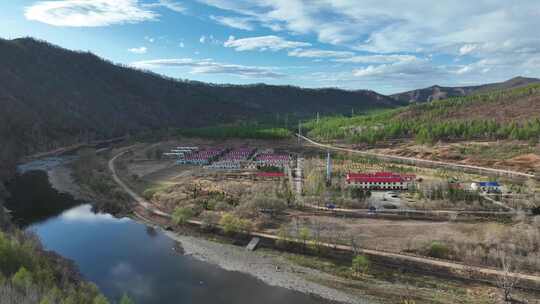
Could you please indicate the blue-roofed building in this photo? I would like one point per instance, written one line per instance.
(486, 186)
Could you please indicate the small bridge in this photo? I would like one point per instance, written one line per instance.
(253, 244)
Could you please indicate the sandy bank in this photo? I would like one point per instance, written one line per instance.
(61, 180)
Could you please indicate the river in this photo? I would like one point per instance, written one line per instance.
(123, 256)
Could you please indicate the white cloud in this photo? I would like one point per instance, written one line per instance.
(378, 59)
(138, 50)
(394, 26)
(94, 13)
(464, 69)
(149, 39)
(263, 43)
(234, 22)
(209, 66)
(416, 67)
(467, 48)
(88, 13)
(172, 5)
(210, 39)
(181, 44)
(499, 36)
(316, 53)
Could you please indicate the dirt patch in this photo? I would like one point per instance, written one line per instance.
(511, 155)
(527, 161)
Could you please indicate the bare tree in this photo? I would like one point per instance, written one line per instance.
(508, 280)
(354, 245)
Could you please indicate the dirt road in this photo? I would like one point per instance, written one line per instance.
(425, 162)
(138, 199)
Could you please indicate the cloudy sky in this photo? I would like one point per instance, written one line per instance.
(387, 46)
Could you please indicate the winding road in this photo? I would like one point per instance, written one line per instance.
(138, 199)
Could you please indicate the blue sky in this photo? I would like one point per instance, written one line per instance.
(387, 46)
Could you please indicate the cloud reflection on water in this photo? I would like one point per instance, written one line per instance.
(85, 214)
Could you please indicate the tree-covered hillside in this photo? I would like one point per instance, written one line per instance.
(504, 114)
(52, 97)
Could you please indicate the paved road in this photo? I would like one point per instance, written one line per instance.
(403, 258)
(419, 161)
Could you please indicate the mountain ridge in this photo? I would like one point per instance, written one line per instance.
(53, 97)
(437, 92)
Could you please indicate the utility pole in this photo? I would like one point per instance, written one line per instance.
(299, 132)
(328, 168)
(317, 117)
(352, 112)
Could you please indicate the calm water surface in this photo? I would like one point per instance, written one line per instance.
(120, 255)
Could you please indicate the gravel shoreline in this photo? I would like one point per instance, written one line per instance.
(272, 270)
(61, 180)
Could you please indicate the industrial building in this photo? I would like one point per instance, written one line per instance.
(380, 181)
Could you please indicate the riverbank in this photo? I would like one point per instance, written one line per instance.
(271, 269)
(61, 179)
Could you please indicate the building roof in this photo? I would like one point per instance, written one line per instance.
(489, 184)
(371, 179)
(379, 177)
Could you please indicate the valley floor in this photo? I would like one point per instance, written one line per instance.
(166, 176)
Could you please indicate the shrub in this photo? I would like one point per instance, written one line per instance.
(360, 264)
(100, 299)
(22, 279)
(304, 234)
(438, 250)
(232, 224)
(182, 214)
(126, 300)
(283, 236)
(149, 193)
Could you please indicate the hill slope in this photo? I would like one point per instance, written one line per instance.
(503, 114)
(51, 97)
(437, 92)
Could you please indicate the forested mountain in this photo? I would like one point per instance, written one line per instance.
(437, 92)
(500, 114)
(52, 96)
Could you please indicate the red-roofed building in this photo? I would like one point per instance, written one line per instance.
(380, 180)
(271, 175)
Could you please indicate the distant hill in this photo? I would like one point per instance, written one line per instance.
(437, 92)
(52, 96)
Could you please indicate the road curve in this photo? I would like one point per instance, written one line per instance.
(420, 161)
(138, 199)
